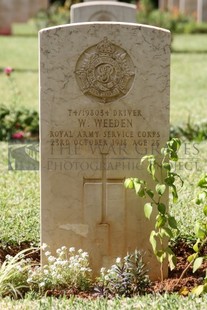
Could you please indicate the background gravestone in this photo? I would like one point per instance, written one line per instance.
(202, 11)
(12, 11)
(104, 103)
(103, 11)
(188, 7)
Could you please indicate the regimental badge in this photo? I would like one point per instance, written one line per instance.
(105, 72)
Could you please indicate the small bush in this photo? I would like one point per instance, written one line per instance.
(18, 123)
(127, 277)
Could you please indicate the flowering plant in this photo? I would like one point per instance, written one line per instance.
(68, 270)
(8, 71)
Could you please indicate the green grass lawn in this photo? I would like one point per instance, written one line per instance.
(19, 195)
(148, 302)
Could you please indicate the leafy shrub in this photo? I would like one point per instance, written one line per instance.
(126, 278)
(161, 173)
(18, 123)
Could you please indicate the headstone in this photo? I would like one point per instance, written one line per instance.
(188, 7)
(15, 11)
(96, 0)
(5, 17)
(103, 11)
(104, 103)
(202, 11)
(163, 5)
(173, 4)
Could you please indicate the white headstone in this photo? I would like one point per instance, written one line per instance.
(163, 4)
(188, 7)
(104, 103)
(103, 11)
(12, 11)
(202, 11)
(173, 4)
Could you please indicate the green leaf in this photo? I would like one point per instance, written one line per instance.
(153, 240)
(173, 156)
(165, 231)
(148, 210)
(137, 187)
(197, 263)
(199, 231)
(201, 198)
(166, 166)
(128, 183)
(142, 192)
(174, 144)
(172, 222)
(203, 182)
(195, 247)
(161, 208)
(160, 221)
(192, 257)
(169, 180)
(160, 189)
(205, 210)
(198, 290)
(150, 193)
(144, 158)
(161, 255)
(174, 193)
(151, 170)
(172, 259)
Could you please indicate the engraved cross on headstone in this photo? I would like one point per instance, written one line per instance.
(104, 181)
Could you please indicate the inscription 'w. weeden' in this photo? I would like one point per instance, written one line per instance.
(104, 104)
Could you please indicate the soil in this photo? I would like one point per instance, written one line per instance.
(170, 285)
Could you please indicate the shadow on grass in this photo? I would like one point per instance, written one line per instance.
(188, 51)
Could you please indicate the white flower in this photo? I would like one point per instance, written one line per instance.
(103, 270)
(48, 253)
(58, 251)
(19, 268)
(64, 248)
(29, 280)
(118, 260)
(59, 276)
(83, 269)
(44, 246)
(51, 259)
(80, 251)
(84, 254)
(42, 284)
(72, 249)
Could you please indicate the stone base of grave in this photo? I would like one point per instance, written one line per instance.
(6, 31)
